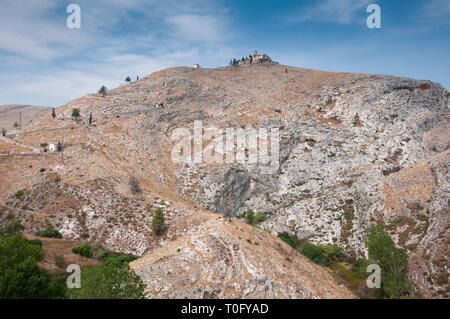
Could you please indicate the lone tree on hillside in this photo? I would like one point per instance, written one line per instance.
(102, 91)
(90, 118)
(128, 79)
(76, 114)
(3, 132)
(158, 222)
(392, 261)
(16, 125)
(134, 185)
(53, 113)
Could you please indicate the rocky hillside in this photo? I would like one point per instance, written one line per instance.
(222, 259)
(355, 149)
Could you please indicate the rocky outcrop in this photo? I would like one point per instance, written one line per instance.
(222, 259)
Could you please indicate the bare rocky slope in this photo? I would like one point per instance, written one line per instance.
(355, 149)
(10, 114)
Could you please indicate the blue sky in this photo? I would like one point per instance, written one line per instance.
(42, 62)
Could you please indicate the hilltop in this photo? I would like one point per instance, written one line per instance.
(355, 149)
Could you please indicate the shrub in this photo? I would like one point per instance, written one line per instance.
(158, 222)
(11, 229)
(57, 178)
(289, 239)
(259, 218)
(60, 261)
(83, 250)
(128, 79)
(98, 252)
(10, 215)
(252, 218)
(35, 242)
(42, 170)
(323, 255)
(20, 276)
(19, 193)
(49, 232)
(392, 261)
(109, 281)
(118, 259)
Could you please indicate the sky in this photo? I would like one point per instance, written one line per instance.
(43, 62)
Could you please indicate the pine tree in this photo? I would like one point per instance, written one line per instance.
(158, 222)
(76, 114)
(128, 79)
(102, 91)
(90, 118)
(53, 113)
(392, 261)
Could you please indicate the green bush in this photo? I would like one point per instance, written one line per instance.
(259, 218)
(19, 193)
(57, 178)
(113, 279)
(118, 259)
(10, 215)
(60, 261)
(158, 222)
(110, 280)
(12, 228)
(289, 239)
(323, 255)
(35, 242)
(15, 249)
(252, 218)
(392, 261)
(83, 250)
(98, 252)
(49, 232)
(20, 276)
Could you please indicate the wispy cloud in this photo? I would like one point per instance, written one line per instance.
(53, 64)
(338, 11)
(197, 27)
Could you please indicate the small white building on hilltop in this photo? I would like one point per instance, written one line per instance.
(196, 66)
(52, 148)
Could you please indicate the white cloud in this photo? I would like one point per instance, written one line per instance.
(44, 62)
(339, 11)
(197, 27)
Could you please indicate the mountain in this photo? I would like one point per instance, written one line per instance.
(354, 150)
(10, 114)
